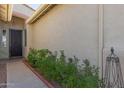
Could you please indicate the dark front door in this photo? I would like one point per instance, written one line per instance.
(15, 44)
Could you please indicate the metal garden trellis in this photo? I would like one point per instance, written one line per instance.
(113, 77)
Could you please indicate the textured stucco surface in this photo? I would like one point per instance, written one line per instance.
(114, 31)
(73, 28)
(87, 31)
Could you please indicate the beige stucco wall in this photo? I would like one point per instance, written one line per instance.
(73, 28)
(4, 50)
(114, 31)
(87, 31)
(29, 40)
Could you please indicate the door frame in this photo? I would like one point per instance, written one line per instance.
(10, 42)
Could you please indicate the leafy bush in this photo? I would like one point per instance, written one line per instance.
(32, 56)
(65, 72)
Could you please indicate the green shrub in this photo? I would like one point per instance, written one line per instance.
(65, 72)
(32, 56)
(89, 74)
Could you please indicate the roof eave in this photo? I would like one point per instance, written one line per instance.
(9, 14)
(43, 9)
(6, 12)
(26, 5)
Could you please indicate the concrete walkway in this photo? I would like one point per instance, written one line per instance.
(20, 76)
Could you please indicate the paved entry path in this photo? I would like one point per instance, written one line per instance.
(18, 75)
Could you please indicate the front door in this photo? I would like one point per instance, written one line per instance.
(15, 43)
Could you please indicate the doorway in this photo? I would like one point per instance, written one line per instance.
(15, 43)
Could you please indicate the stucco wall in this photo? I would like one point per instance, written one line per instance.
(73, 28)
(87, 31)
(4, 50)
(114, 31)
(29, 40)
(16, 23)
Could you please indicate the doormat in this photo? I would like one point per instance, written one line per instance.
(3, 75)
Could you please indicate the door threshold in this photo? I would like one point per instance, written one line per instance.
(18, 57)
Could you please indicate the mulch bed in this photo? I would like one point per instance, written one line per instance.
(3, 75)
(50, 84)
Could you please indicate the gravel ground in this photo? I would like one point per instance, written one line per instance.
(3, 75)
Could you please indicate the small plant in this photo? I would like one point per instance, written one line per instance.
(32, 56)
(65, 72)
(90, 74)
